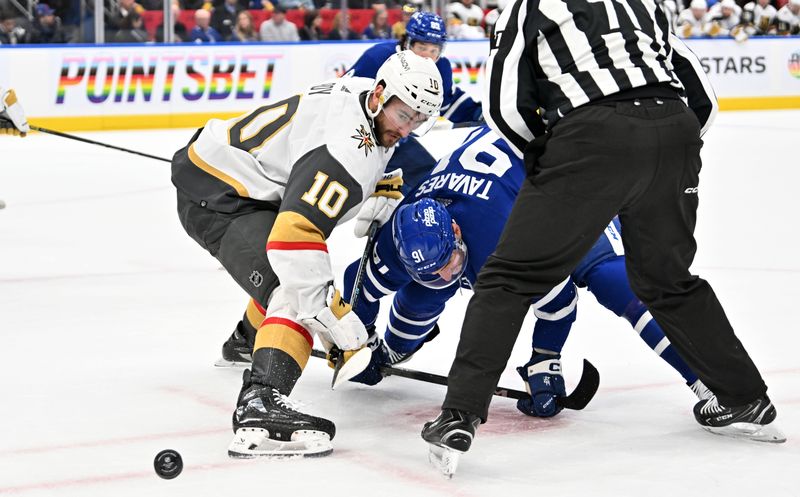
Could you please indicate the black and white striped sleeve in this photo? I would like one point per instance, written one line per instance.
(510, 101)
(699, 93)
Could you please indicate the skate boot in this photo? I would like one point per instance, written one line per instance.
(751, 421)
(237, 351)
(449, 436)
(266, 424)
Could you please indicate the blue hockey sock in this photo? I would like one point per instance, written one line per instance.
(608, 282)
(554, 320)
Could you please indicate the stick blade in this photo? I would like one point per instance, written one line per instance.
(584, 390)
(357, 363)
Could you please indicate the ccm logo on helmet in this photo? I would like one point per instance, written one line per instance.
(691, 190)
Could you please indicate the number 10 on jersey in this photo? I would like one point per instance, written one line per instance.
(331, 200)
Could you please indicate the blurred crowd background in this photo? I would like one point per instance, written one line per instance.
(204, 21)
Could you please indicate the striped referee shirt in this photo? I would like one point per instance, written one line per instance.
(549, 57)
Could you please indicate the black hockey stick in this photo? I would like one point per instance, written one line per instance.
(579, 398)
(469, 124)
(337, 355)
(92, 142)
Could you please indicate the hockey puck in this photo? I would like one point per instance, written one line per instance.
(168, 464)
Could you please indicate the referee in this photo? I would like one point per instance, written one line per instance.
(594, 94)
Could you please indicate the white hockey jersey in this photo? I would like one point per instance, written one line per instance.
(761, 16)
(313, 158)
(787, 21)
(464, 23)
(688, 25)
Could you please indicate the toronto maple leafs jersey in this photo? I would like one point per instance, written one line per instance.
(457, 106)
(478, 183)
(312, 157)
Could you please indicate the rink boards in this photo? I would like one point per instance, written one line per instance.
(149, 86)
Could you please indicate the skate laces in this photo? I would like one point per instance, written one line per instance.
(285, 402)
(701, 390)
(712, 406)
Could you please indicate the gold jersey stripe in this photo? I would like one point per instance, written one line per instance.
(279, 336)
(254, 315)
(205, 166)
(293, 227)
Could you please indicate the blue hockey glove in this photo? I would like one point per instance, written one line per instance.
(383, 355)
(543, 381)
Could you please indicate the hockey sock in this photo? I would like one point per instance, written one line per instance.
(253, 317)
(554, 319)
(281, 352)
(608, 282)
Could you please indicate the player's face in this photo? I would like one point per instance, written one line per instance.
(397, 120)
(453, 267)
(424, 49)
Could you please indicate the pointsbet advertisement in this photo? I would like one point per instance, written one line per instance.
(119, 87)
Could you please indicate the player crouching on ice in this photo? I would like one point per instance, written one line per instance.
(262, 193)
(439, 239)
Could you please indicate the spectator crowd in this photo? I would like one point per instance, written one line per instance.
(212, 21)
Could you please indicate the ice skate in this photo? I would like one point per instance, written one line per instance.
(751, 421)
(449, 436)
(266, 424)
(236, 351)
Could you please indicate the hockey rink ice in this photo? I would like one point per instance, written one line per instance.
(111, 318)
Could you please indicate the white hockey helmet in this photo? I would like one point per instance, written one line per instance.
(414, 80)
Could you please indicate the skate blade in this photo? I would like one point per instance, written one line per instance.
(255, 442)
(224, 363)
(357, 363)
(750, 431)
(444, 459)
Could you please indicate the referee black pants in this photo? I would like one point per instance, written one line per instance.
(638, 158)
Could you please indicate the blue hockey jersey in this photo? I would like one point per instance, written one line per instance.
(478, 183)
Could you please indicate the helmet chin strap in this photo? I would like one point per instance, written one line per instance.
(372, 115)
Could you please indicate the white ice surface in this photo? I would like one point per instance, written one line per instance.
(111, 318)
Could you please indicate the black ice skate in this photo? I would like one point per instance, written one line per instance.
(449, 436)
(751, 421)
(267, 425)
(237, 351)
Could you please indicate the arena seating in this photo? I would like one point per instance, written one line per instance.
(359, 18)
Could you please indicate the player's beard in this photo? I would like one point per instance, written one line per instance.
(387, 135)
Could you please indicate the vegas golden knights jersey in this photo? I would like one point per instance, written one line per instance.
(312, 157)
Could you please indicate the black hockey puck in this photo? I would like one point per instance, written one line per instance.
(168, 464)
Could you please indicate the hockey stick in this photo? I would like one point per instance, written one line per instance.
(337, 355)
(92, 142)
(445, 124)
(579, 398)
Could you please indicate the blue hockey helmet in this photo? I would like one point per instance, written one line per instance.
(427, 27)
(427, 244)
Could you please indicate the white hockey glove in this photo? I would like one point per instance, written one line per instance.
(380, 205)
(337, 324)
(12, 117)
